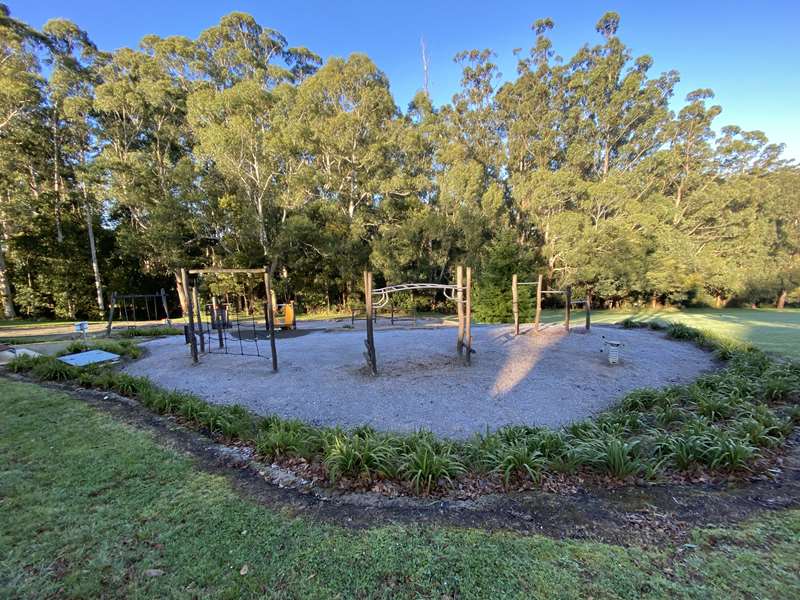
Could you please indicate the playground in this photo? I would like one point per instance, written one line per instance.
(548, 378)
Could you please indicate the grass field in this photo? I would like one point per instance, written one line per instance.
(772, 330)
(90, 507)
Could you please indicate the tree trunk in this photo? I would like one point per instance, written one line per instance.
(781, 303)
(5, 287)
(57, 182)
(98, 283)
(718, 301)
(181, 295)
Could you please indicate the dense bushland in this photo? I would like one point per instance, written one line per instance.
(237, 149)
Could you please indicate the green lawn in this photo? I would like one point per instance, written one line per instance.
(89, 505)
(772, 330)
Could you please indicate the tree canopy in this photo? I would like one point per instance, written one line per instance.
(236, 149)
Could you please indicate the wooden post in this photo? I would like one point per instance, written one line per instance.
(460, 308)
(515, 303)
(568, 307)
(538, 317)
(166, 308)
(468, 317)
(588, 306)
(370, 341)
(196, 301)
(218, 323)
(270, 321)
(113, 305)
(188, 296)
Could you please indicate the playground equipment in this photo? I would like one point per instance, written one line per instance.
(568, 303)
(125, 305)
(284, 315)
(613, 351)
(460, 293)
(224, 318)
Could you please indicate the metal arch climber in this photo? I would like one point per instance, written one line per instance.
(460, 293)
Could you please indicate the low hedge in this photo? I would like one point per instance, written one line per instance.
(722, 422)
(125, 348)
(149, 331)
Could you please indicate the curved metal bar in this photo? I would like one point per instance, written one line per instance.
(383, 301)
(402, 287)
(450, 291)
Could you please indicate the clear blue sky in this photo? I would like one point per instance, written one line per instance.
(747, 52)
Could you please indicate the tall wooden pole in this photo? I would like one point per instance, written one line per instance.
(270, 321)
(460, 308)
(196, 301)
(515, 303)
(188, 296)
(468, 316)
(538, 317)
(371, 355)
(166, 308)
(588, 311)
(217, 322)
(111, 313)
(568, 307)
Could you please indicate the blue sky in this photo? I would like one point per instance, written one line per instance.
(746, 51)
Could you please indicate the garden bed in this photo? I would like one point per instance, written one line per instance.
(729, 423)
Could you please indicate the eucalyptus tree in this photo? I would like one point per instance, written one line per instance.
(21, 94)
(73, 59)
(151, 179)
(344, 124)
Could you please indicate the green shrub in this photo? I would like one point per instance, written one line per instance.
(361, 453)
(611, 455)
(642, 399)
(22, 363)
(427, 465)
(149, 331)
(516, 460)
(124, 348)
(679, 331)
(232, 422)
(686, 450)
(48, 368)
(729, 453)
(289, 438)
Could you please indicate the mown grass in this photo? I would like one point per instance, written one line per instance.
(723, 422)
(94, 508)
(774, 331)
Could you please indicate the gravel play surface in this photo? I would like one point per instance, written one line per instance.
(548, 379)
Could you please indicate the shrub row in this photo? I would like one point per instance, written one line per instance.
(721, 422)
(125, 348)
(149, 331)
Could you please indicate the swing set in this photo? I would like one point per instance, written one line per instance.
(125, 305)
